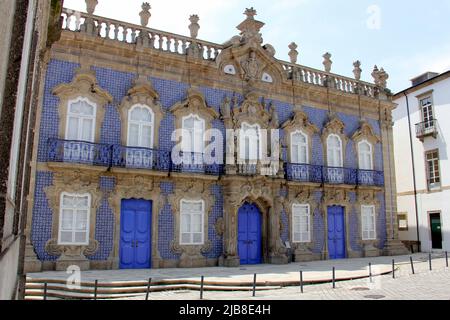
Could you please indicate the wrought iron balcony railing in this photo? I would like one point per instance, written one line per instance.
(192, 162)
(140, 158)
(80, 152)
(333, 175)
(427, 128)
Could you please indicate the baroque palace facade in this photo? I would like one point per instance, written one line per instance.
(107, 193)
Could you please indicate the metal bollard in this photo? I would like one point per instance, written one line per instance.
(95, 290)
(412, 265)
(148, 288)
(254, 285)
(446, 259)
(334, 278)
(393, 269)
(201, 287)
(301, 281)
(429, 260)
(45, 291)
(370, 272)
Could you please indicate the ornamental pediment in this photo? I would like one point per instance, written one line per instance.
(194, 103)
(252, 110)
(365, 131)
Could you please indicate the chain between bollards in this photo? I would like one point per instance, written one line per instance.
(301, 281)
(148, 288)
(412, 265)
(95, 290)
(254, 285)
(201, 287)
(334, 278)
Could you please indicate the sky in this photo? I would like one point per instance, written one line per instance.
(405, 37)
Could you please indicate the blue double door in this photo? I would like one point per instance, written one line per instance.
(336, 232)
(249, 234)
(135, 234)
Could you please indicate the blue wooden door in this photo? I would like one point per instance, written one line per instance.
(135, 234)
(249, 234)
(336, 232)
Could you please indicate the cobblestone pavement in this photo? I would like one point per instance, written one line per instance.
(423, 285)
(313, 271)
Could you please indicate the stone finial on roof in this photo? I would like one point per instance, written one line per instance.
(194, 26)
(357, 69)
(90, 6)
(376, 75)
(327, 61)
(145, 14)
(383, 76)
(293, 53)
(250, 28)
(250, 13)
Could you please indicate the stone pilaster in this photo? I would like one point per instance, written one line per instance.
(393, 245)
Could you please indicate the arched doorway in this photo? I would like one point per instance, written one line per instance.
(249, 234)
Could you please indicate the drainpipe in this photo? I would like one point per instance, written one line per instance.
(414, 170)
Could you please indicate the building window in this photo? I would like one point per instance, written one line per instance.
(250, 145)
(365, 155)
(74, 219)
(426, 106)
(433, 173)
(334, 151)
(299, 148)
(81, 120)
(140, 127)
(192, 221)
(402, 221)
(301, 223)
(368, 223)
(193, 133)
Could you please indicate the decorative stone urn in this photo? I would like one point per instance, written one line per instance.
(293, 53)
(91, 5)
(357, 70)
(194, 26)
(145, 14)
(327, 61)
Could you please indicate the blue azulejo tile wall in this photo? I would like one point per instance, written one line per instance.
(216, 214)
(104, 226)
(166, 225)
(354, 225)
(318, 226)
(42, 220)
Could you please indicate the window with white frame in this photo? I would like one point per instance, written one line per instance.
(334, 151)
(301, 223)
(433, 172)
(368, 223)
(250, 145)
(299, 148)
(192, 221)
(81, 120)
(193, 134)
(426, 105)
(140, 127)
(365, 155)
(74, 219)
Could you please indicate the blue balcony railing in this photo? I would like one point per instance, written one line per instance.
(304, 173)
(333, 175)
(140, 158)
(191, 162)
(80, 152)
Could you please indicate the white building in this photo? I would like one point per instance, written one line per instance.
(421, 144)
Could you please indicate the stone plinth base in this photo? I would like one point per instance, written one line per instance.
(371, 251)
(395, 248)
(65, 262)
(304, 256)
(231, 262)
(279, 259)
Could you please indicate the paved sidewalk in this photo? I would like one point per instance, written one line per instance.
(270, 274)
